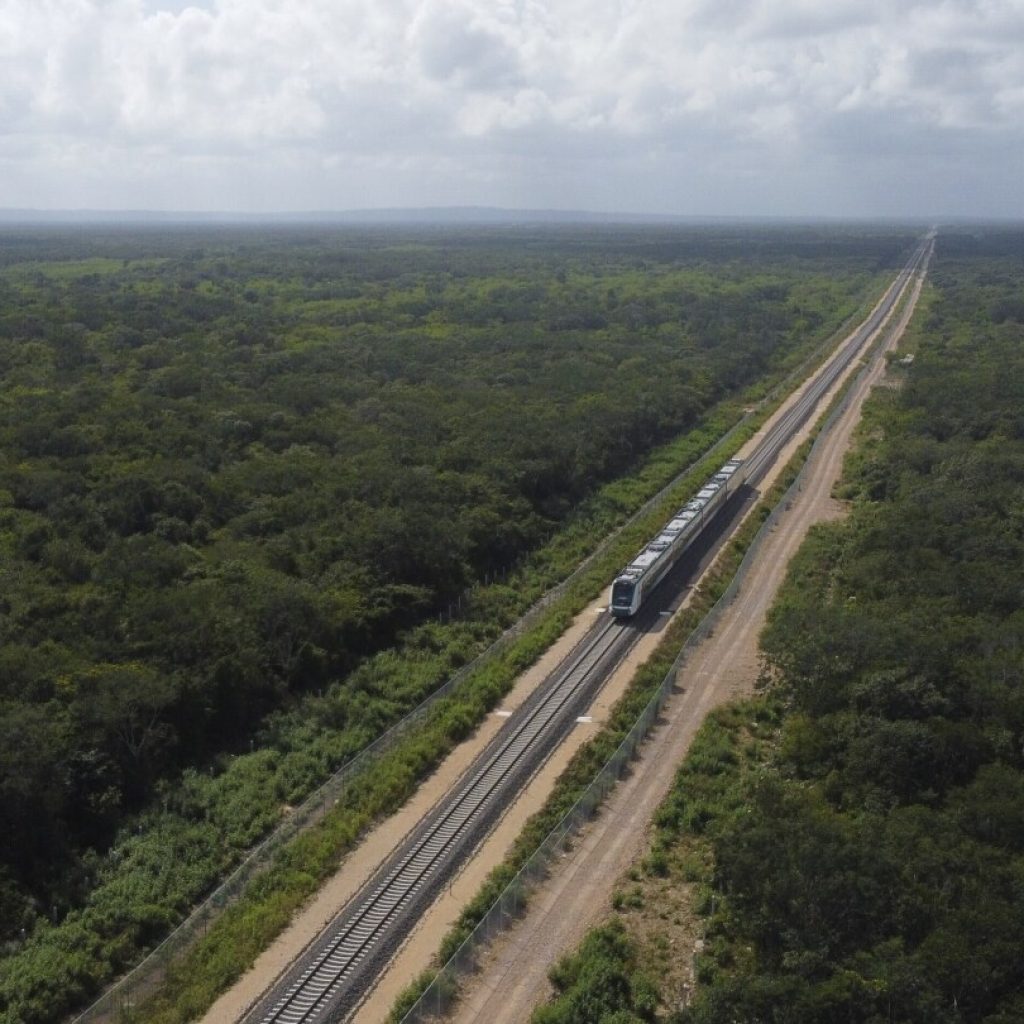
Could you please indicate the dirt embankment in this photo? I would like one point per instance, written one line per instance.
(514, 976)
(578, 895)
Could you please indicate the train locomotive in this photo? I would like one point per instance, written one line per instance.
(649, 567)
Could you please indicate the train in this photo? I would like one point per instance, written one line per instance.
(648, 568)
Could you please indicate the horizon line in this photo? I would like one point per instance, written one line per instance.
(463, 213)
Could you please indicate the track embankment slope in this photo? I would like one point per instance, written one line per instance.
(513, 979)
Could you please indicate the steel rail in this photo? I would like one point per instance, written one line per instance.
(315, 987)
(795, 417)
(329, 964)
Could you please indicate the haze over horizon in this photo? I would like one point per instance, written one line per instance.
(745, 108)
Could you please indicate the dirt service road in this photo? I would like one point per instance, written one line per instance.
(576, 897)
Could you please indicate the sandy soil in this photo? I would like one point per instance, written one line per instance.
(513, 979)
(367, 857)
(423, 941)
(417, 952)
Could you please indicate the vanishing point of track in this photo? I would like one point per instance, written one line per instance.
(336, 969)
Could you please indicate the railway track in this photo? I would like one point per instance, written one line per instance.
(795, 417)
(334, 972)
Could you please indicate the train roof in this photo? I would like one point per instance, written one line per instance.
(657, 547)
(644, 560)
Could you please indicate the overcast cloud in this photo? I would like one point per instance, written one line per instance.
(742, 107)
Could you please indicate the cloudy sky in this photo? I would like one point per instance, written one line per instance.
(734, 107)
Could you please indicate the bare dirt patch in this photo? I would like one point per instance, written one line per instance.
(659, 915)
(577, 897)
(513, 978)
(367, 857)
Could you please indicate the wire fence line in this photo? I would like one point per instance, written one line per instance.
(120, 997)
(117, 1001)
(443, 991)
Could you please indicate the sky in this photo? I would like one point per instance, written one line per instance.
(788, 108)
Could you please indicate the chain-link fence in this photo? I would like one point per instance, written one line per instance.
(117, 1002)
(443, 991)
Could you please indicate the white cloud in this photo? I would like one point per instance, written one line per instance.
(337, 103)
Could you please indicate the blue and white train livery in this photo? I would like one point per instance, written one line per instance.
(648, 568)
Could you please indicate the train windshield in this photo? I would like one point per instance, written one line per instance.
(622, 594)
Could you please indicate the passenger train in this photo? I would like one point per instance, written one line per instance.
(649, 567)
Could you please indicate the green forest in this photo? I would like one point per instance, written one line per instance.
(239, 468)
(854, 838)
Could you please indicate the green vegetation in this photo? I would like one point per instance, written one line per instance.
(856, 836)
(236, 469)
(598, 982)
(593, 755)
(647, 947)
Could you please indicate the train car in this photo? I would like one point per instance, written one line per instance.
(650, 565)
